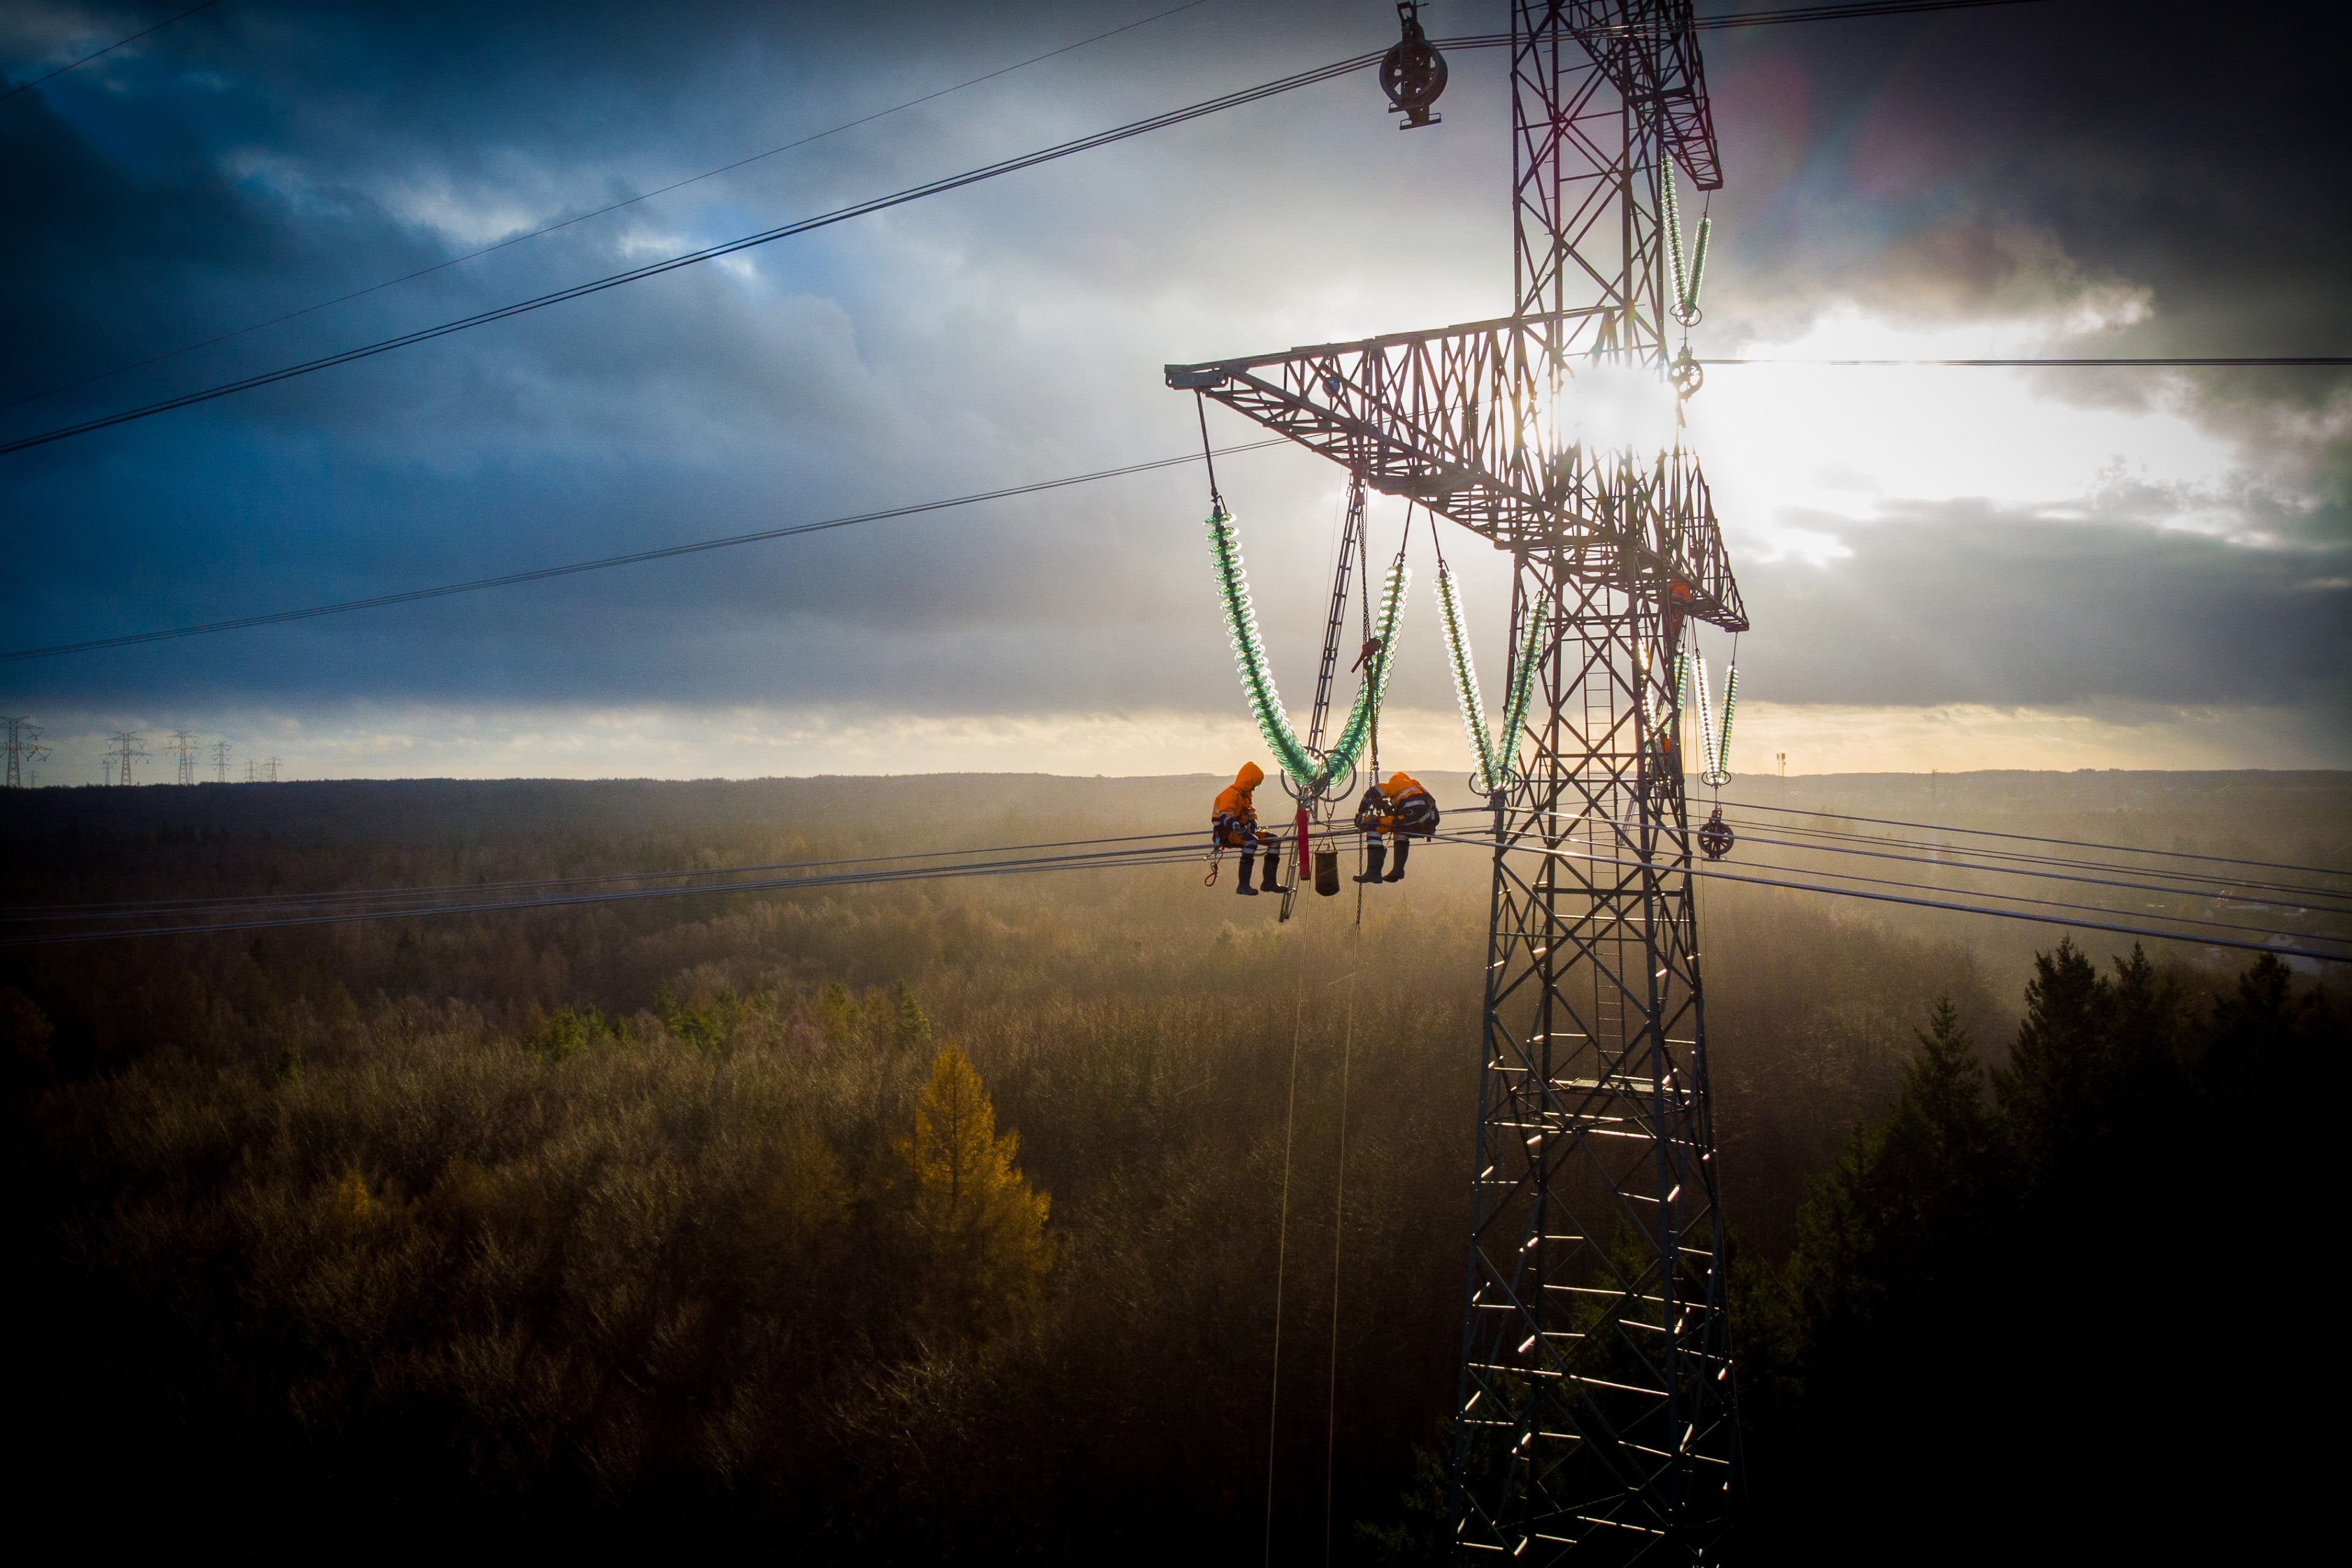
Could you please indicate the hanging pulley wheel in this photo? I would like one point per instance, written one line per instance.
(1686, 373)
(1412, 73)
(1715, 839)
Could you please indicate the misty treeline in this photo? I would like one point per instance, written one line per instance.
(945, 1222)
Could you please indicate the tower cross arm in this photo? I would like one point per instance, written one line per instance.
(1649, 51)
(1463, 420)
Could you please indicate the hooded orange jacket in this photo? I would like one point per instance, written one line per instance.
(1234, 799)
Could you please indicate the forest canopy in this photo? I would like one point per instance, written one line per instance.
(912, 1223)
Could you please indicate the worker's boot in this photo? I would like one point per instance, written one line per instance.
(1273, 883)
(1243, 887)
(1376, 854)
(1396, 872)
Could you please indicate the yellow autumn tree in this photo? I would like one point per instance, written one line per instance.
(981, 1226)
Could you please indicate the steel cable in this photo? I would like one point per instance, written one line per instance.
(635, 558)
(130, 909)
(2035, 838)
(1717, 873)
(1235, 100)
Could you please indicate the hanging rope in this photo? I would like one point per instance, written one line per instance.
(1381, 653)
(1338, 1232)
(1281, 1255)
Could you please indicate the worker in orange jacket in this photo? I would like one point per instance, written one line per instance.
(1403, 810)
(1234, 822)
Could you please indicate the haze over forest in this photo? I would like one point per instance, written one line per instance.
(611, 941)
(605, 1220)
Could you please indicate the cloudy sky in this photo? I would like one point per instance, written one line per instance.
(1947, 568)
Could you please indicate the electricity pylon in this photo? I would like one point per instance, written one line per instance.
(126, 747)
(1595, 1416)
(220, 761)
(184, 745)
(23, 747)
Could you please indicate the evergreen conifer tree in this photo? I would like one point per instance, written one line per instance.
(982, 1227)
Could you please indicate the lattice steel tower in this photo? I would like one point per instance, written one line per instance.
(1595, 1413)
(23, 745)
(184, 745)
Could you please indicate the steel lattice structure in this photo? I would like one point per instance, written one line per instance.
(1595, 1416)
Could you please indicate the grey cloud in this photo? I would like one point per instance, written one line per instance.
(1963, 603)
(1015, 333)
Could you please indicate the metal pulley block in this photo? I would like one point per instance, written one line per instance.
(1412, 73)
(1715, 839)
(1686, 373)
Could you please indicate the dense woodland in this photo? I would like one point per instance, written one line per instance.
(945, 1221)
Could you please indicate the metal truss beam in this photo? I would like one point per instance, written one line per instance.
(1462, 419)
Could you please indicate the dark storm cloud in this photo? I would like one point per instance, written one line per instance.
(260, 158)
(1968, 603)
(1971, 161)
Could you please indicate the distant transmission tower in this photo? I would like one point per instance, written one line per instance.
(23, 746)
(220, 761)
(272, 767)
(1595, 1416)
(184, 745)
(126, 748)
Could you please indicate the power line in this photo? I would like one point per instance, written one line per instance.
(77, 65)
(1098, 860)
(1721, 875)
(2034, 838)
(1959, 865)
(635, 558)
(1154, 856)
(689, 258)
(1842, 12)
(878, 203)
(2274, 361)
(2007, 854)
(599, 211)
(2023, 863)
(1751, 838)
(2028, 898)
(1945, 856)
(149, 907)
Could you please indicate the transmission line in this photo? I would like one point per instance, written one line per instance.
(878, 203)
(2274, 361)
(77, 65)
(1707, 870)
(635, 558)
(1958, 865)
(2214, 890)
(2034, 838)
(143, 908)
(598, 212)
(708, 253)
(2022, 863)
(1094, 861)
